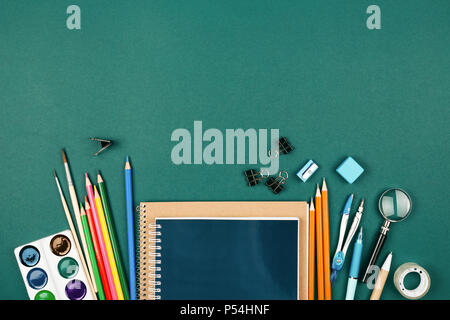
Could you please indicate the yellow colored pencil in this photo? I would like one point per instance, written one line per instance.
(109, 250)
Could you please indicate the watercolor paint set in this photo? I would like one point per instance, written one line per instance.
(52, 270)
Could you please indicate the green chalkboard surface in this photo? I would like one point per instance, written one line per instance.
(136, 71)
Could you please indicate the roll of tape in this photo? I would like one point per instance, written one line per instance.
(422, 288)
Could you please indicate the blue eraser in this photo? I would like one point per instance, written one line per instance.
(350, 170)
(307, 171)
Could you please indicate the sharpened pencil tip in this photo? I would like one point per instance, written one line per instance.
(54, 173)
(99, 177)
(387, 263)
(127, 164)
(324, 185)
(88, 181)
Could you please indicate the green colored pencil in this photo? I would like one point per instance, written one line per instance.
(90, 247)
(112, 235)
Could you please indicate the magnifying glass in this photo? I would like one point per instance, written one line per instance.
(395, 206)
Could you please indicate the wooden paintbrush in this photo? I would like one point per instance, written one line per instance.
(76, 211)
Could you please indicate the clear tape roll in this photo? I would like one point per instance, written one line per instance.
(422, 288)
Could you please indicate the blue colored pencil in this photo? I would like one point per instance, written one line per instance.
(130, 230)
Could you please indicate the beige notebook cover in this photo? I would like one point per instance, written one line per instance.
(149, 211)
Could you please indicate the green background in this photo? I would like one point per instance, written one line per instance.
(137, 70)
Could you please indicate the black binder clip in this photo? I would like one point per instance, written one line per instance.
(253, 177)
(285, 146)
(104, 144)
(276, 184)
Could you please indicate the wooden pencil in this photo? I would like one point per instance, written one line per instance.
(311, 250)
(112, 234)
(319, 241)
(101, 240)
(75, 238)
(381, 278)
(98, 254)
(109, 251)
(326, 241)
(87, 233)
(76, 212)
(130, 229)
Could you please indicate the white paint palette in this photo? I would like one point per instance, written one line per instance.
(52, 270)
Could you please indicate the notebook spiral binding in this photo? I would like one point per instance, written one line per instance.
(149, 255)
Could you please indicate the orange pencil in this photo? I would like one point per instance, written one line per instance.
(326, 241)
(311, 248)
(319, 238)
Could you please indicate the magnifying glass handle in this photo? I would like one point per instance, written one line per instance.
(376, 250)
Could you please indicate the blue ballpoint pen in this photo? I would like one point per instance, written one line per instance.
(338, 259)
(354, 267)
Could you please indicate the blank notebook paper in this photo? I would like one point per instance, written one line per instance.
(228, 259)
(220, 254)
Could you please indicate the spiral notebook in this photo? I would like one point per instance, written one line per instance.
(223, 250)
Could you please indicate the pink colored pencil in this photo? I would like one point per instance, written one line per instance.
(101, 240)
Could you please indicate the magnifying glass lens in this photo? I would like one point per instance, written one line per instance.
(395, 205)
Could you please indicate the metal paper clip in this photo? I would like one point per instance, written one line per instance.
(104, 144)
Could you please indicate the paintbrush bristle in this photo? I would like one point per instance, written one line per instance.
(64, 156)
